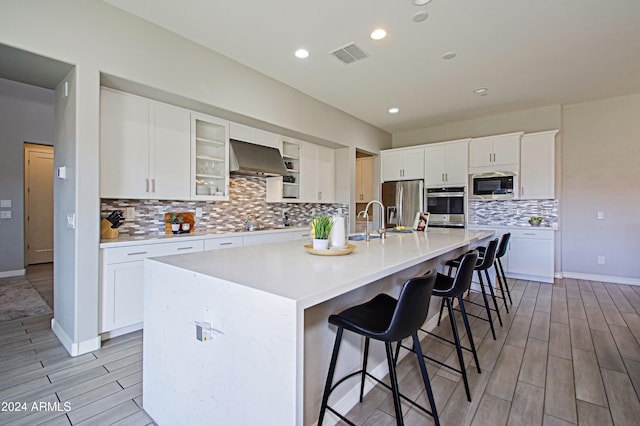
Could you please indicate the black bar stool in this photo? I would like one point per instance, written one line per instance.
(388, 320)
(497, 264)
(483, 264)
(454, 288)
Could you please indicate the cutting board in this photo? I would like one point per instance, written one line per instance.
(187, 217)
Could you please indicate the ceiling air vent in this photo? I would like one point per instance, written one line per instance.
(350, 53)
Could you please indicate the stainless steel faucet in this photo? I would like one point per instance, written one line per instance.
(382, 231)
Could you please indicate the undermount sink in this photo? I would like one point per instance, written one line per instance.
(362, 237)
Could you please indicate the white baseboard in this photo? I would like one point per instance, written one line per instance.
(121, 331)
(16, 273)
(603, 278)
(352, 398)
(74, 348)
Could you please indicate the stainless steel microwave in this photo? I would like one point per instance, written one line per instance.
(493, 186)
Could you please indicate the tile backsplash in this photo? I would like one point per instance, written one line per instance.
(247, 197)
(512, 212)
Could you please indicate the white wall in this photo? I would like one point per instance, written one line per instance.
(98, 38)
(26, 115)
(601, 171)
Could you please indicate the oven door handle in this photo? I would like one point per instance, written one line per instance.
(449, 195)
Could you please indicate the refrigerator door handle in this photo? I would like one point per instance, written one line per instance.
(399, 201)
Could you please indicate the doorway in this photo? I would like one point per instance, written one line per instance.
(38, 203)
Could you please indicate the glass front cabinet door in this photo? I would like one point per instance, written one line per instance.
(209, 158)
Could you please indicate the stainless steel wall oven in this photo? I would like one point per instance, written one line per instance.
(446, 207)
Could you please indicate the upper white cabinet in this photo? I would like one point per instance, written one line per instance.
(287, 190)
(316, 173)
(537, 166)
(144, 148)
(495, 153)
(446, 163)
(364, 179)
(402, 164)
(210, 159)
(250, 134)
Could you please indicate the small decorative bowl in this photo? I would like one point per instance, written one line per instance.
(534, 222)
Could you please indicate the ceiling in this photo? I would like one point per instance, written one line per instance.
(526, 53)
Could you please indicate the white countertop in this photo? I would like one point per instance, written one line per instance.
(197, 235)
(517, 227)
(287, 270)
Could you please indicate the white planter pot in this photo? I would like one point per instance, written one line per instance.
(175, 227)
(320, 244)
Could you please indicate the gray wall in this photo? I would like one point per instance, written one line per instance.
(601, 171)
(100, 39)
(26, 115)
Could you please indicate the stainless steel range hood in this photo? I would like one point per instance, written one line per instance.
(248, 159)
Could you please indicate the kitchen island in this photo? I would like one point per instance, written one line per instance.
(267, 357)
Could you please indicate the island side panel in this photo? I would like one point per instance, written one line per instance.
(245, 375)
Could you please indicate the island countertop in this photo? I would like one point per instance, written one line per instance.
(288, 271)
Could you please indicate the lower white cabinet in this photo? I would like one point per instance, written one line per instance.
(222, 243)
(122, 283)
(258, 239)
(531, 255)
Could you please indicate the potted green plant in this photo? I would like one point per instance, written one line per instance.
(175, 222)
(321, 228)
(535, 220)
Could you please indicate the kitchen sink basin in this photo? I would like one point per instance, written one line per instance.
(362, 237)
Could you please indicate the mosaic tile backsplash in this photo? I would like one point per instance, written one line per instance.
(512, 212)
(247, 197)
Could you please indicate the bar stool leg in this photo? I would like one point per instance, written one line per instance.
(500, 286)
(425, 378)
(393, 378)
(486, 306)
(468, 329)
(456, 340)
(493, 296)
(364, 366)
(332, 369)
(441, 310)
(504, 279)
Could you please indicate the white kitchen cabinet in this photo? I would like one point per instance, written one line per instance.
(537, 165)
(122, 282)
(301, 235)
(531, 255)
(210, 158)
(446, 163)
(402, 164)
(364, 179)
(144, 148)
(266, 238)
(222, 243)
(277, 189)
(249, 134)
(316, 173)
(495, 153)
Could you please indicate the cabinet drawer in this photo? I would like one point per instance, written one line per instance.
(302, 235)
(140, 252)
(222, 243)
(532, 233)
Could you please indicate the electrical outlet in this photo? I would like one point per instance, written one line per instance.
(600, 260)
(600, 214)
(198, 211)
(130, 212)
(5, 214)
(5, 203)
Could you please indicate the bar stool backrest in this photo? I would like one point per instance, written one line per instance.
(412, 307)
(489, 255)
(504, 244)
(464, 273)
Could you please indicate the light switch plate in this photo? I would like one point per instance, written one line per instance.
(5, 214)
(5, 203)
(600, 214)
(71, 220)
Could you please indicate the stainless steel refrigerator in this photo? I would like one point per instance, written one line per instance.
(402, 200)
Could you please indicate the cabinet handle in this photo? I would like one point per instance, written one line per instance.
(305, 235)
(522, 190)
(146, 185)
(319, 195)
(184, 248)
(446, 177)
(137, 253)
(530, 233)
(225, 244)
(153, 185)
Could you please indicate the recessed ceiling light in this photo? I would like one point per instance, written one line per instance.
(482, 91)
(421, 2)
(302, 53)
(393, 110)
(420, 16)
(449, 55)
(378, 34)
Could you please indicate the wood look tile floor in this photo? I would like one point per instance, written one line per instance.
(567, 354)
